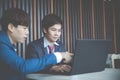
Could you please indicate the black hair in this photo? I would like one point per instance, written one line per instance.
(50, 20)
(15, 16)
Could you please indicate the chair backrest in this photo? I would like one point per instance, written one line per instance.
(113, 57)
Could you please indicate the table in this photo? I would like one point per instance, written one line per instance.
(107, 74)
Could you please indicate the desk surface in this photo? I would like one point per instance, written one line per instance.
(107, 74)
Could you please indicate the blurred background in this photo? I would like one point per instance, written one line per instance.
(82, 19)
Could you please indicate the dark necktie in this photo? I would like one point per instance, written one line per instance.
(51, 48)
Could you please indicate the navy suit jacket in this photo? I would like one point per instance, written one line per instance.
(36, 49)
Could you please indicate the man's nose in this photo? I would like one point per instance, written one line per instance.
(57, 33)
(27, 32)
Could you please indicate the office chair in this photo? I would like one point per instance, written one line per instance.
(113, 58)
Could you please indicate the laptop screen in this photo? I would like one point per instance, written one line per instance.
(90, 56)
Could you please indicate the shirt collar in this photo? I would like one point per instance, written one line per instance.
(46, 42)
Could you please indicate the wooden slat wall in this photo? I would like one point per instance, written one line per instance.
(83, 19)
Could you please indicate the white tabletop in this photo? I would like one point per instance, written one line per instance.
(107, 74)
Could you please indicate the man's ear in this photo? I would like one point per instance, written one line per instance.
(11, 27)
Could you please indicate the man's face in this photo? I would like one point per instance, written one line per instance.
(19, 34)
(53, 33)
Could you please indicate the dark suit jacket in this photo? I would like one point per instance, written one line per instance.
(36, 49)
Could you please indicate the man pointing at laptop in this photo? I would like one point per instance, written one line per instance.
(15, 24)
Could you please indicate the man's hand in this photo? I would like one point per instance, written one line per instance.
(61, 68)
(67, 57)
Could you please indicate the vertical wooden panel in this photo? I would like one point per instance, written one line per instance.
(81, 25)
(93, 26)
(67, 31)
(104, 20)
(51, 6)
(35, 29)
(14, 3)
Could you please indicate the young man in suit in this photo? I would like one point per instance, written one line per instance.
(52, 27)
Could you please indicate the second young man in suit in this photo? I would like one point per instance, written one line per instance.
(52, 27)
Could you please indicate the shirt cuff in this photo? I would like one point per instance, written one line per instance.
(58, 57)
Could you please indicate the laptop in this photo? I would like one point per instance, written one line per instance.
(89, 56)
